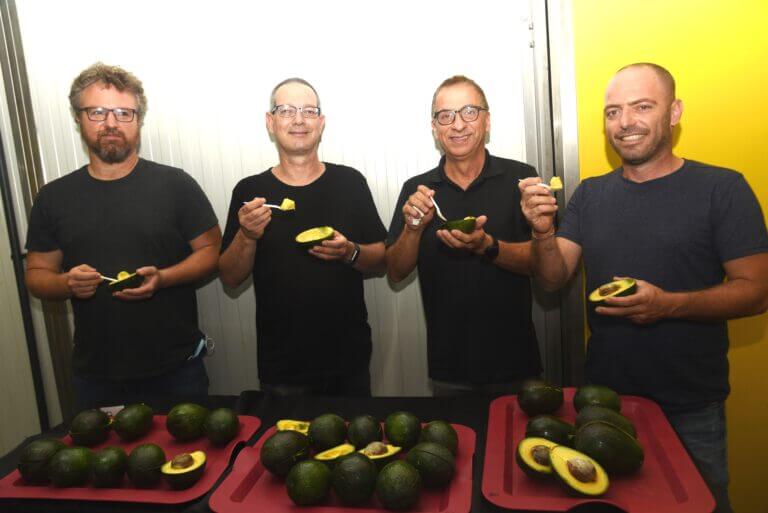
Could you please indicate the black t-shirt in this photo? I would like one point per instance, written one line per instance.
(146, 218)
(479, 326)
(674, 232)
(311, 320)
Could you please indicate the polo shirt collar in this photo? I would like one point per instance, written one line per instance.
(489, 170)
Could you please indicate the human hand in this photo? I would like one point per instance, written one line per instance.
(151, 284)
(647, 305)
(419, 210)
(476, 241)
(254, 218)
(337, 248)
(538, 204)
(82, 281)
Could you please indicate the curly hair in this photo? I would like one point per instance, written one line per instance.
(115, 76)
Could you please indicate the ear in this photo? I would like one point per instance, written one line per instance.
(488, 121)
(677, 112)
(322, 123)
(270, 123)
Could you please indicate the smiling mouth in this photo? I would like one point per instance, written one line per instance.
(630, 137)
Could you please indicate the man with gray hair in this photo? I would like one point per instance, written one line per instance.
(311, 320)
(121, 213)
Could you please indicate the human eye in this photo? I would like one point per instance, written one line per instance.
(444, 117)
(644, 107)
(123, 114)
(96, 112)
(311, 112)
(286, 111)
(611, 113)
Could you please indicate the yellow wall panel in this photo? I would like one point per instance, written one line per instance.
(717, 52)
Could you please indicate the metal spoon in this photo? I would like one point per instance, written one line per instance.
(437, 210)
(107, 278)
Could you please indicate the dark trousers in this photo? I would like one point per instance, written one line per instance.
(190, 380)
(703, 433)
(355, 385)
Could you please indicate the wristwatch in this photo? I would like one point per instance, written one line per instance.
(355, 254)
(492, 251)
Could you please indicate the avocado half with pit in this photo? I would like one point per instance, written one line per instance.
(126, 280)
(466, 225)
(380, 453)
(617, 288)
(314, 236)
(579, 473)
(533, 456)
(184, 470)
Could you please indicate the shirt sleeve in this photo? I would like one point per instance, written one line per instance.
(737, 220)
(41, 236)
(371, 228)
(233, 222)
(570, 224)
(398, 221)
(194, 211)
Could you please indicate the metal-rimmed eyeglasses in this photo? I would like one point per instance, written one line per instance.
(468, 113)
(100, 113)
(289, 111)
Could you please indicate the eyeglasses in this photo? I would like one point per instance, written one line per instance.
(289, 111)
(468, 113)
(101, 113)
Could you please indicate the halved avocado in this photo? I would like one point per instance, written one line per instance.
(314, 236)
(578, 472)
(90, 427)
(380, 453)
(34, 459)
(618, 288)
(126, 280)
(537, 397)
(533, 456)
(332, 455)
(302, 426)
(466, 225)
(184, 469)
(550, 427)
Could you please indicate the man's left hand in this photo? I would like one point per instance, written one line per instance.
(476, 242)
(647, 305)
(337, 248)
(150, 285)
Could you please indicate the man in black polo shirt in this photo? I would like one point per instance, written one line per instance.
(475, 287)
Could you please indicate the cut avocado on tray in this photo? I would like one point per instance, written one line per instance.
(617, 288)
(126, 280)
(466, 225)
(314, 236)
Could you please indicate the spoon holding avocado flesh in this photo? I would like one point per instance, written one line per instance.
(286, 205)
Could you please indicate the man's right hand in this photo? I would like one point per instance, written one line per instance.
(419, 210)
(538, 205)
(254, 218)
(82, 281)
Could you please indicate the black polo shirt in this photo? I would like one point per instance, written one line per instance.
(479, 326)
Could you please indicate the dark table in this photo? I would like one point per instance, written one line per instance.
(471, 412)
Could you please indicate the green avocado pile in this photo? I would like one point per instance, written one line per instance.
(52, 461)
(354, 461)
(581, 457)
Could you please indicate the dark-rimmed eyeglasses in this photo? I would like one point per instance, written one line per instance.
(468, 113)
(100, 113)
(289, 111)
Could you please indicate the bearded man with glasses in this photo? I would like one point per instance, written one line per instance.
(312, 326)
(475, 286)
(121, 213)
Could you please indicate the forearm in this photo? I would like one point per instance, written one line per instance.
(548, 265)
(730, 300)
(403, 254)
(236, 263)
(371, 259)
(47, 284)
(514, 257)
(197, 266)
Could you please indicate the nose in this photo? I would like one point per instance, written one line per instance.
(627, 118)
(458, 123)
(110, 120)
(298, 119)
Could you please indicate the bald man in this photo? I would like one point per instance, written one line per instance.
(680, 228)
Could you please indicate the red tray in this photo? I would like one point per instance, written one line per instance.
(217, 459)
(667, 481)
(249, 487)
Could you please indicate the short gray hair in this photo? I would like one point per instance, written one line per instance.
(292, 80)
(111, 76)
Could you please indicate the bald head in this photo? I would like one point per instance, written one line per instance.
(667, 81)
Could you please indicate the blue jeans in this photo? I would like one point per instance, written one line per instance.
(703, 433)
(189, 380)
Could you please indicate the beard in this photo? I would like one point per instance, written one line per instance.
(112, 151)
(639, 156)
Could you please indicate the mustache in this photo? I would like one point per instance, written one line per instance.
(626, 133)
(110, 132)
